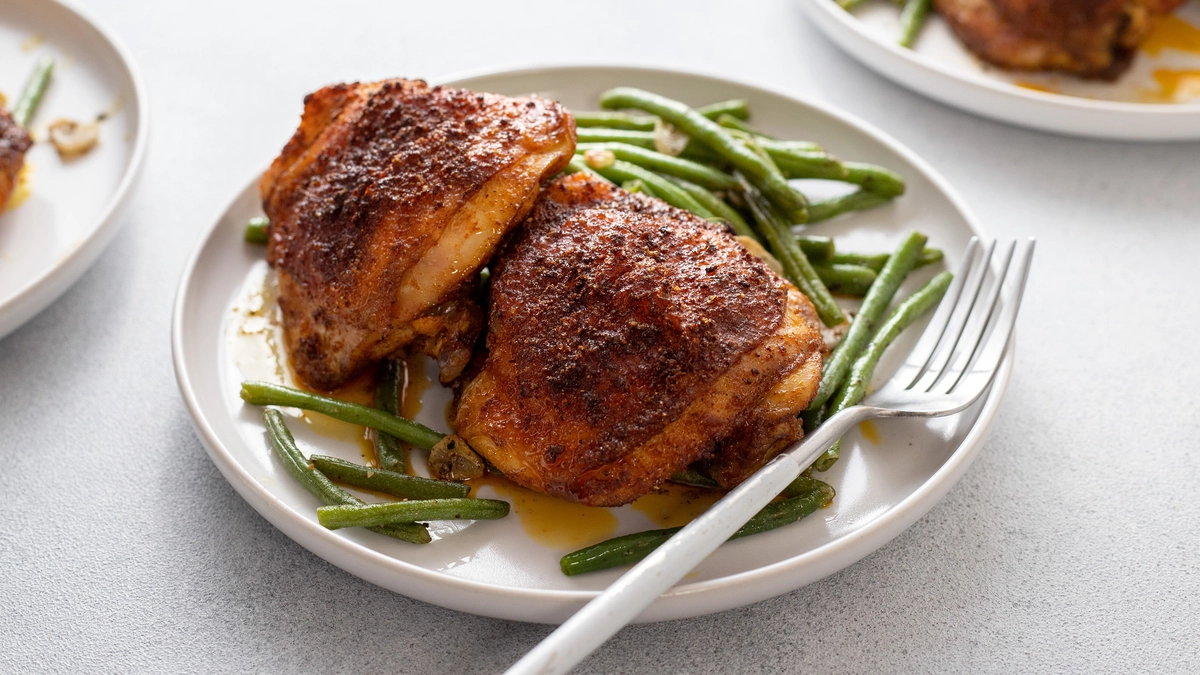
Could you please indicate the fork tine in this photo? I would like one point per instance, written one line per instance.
(922, 353)
(978, 321)
(958, 321)
(979, 373)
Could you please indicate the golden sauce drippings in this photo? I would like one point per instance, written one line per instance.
(1175, 86)
(33, 42)
(22, 189)
(675, 505)
(359, 390)
(417, 381)
(1046, 89)
(554, 523)
(1172, 32)
(254, 341)
(869, 431)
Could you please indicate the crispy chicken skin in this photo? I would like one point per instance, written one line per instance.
(384, 206)
(626, 340)
(1090, 38)
(14, 142)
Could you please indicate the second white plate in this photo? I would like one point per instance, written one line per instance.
(509, 568)
(942, 68)
(72, 208)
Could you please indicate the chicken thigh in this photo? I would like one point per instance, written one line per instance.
(627, 339)
(384, 206)
(14, 142)
(1090, 38)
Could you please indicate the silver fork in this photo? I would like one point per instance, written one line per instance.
(949, 369)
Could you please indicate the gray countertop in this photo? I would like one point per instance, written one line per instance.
(1072, 544)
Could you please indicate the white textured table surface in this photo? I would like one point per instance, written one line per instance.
(1072, 544)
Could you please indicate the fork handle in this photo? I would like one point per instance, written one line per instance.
(601, 618)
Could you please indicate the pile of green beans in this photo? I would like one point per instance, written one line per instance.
(321, 487)
(730, 171)
(423, 499)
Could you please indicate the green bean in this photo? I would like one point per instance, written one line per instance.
(851, 5)
(265, 393)
(874, 178)
(694, 479)
(912, 19)
(855, 201)
(804, 485)
(577, 165)
(930, 256)
(782, 243)
(35, 89)
(855, 388)
(643, 139)
(631, 548)
(800, 162)
(876, 261)
(869, 314)
(816, 248)
(614, 120)
(718, 207)
(813, 417)
(738, 108)
(807, 164)
(731, 122)
(256, 230)
(777, 147)
(394, 513)
(315, 482)
(388, 482)
(853, 280)
(686, 169)
(670, 193)
(702, 129)
(637, 186)
(388, 392)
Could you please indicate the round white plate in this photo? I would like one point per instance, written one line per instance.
(942, 68)
(73, 208)
(494, 568)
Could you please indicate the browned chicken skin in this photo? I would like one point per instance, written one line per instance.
(1090, 38)
(14, 142)
(628, 339)
(384, 206)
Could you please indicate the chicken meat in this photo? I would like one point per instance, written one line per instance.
(384, 206)
(626, 340)
(14, 142)
(1089, 38)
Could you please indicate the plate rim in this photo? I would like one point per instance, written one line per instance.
(1174, 112)
(38, 293)
(684, 600)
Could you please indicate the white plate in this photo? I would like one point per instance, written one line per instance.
(73, 208)
(496, 569)
(941, 67)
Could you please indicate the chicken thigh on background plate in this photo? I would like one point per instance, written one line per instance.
(14, 142)
(1090, 38)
